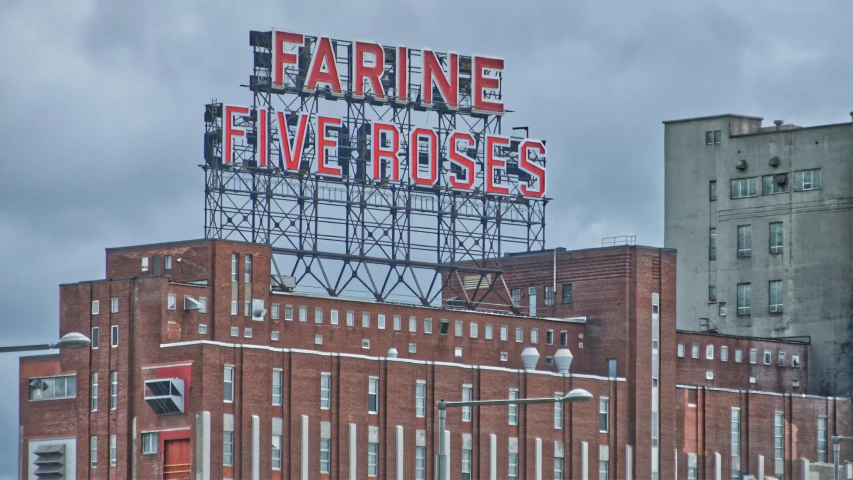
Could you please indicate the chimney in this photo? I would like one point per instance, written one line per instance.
(778, 124)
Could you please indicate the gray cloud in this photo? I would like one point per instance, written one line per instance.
(102, 106)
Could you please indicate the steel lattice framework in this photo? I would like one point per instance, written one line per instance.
(356, 235)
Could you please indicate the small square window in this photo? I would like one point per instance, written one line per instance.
(96, 307)
(365, 344)
(274, 335)
(795, 383)
(113, 305)
(247, 332)
(202, 329)
(549, 360)
(458, 352)
(504, 356)
(173, 302)
(709, 375)
(318, 339)
(413, 348)
(752, 380)
(235, 331)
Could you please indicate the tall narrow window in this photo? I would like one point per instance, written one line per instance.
(513, 408)
(96, 307)
(413, 324)
(531, 295)
(168, 262)
(549, 337)
(420, 463)
(611, 367)
(113, 305)
(274, 311)
(516, 296)
(489, 332)
(712, 293)
(228, 384)
(519, 334)
(466, 464)
(325, 391)
(94, 391)
(713, 190)
(681, 349)
(333, 317)
(113, 450)
(694, 350)
(95, 332)
(372, 459)
(325, 455)
(93, 451)
(709, 352)
(467, 392)
(276, 452)
(549, 295)
(564, 338)
(420, 399)
(567, 293)
(712, 255)
(288, 312)
(398, 323)
(504, 333)
(473, 330)
(350, 318)
(234, 261)
(558, 468)
(744, 299)
(776, 237)
(776, 302)
(373, 395)
(428, 326)
(603, 469)
(380, 321)
(365, 319)
(821, 439)
(724, 353)
(276, 386)
(603, 414)
(228, 449)
(735, 443)
(534, 336)
(247, 274)
(558, 412)
(114, 336)
(512, 466)
(113, 389)
(744, 241)
(458, 328)
(779, 443)
(318, 315)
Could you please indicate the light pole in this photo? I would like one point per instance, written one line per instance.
(836, 449)
(576, 395)
(68, 341)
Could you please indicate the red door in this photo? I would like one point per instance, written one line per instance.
(176, 459)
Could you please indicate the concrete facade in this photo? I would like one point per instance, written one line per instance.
(812, 261)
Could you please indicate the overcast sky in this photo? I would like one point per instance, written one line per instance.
(102, 102)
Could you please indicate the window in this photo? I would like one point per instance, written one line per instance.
(318, 315)
(735, 442)
(413, 324)
(168, 263)
(744, 241)
(473, 329)
(779, 443)
(150, 442)
(398, 323)
(722, 309)
(276, 452)
(288, 312)
(365, 319)
(203, 307)
(96, 307)
(234, 260)
(744, 299)
(738, 355)
(504, 356)
(519, 334)
(531, 297)
(744, 187)
(380, 321)
(93, 451)
(603, 466)
(274, 335)
(113, 389)
(767, 357)
(325, 455)
(558, 412)
(821, 439)
(233, 307)
(235, 331)
(709, 352)
(611, 367)
(781, 359)
(489, 333)
(420, 463)
(713, 137)
(325, 391)
(372, 459)
(567, 293)
(94, 391)
(691, 473)
(113, 305)
(144, 264)
(534, 336)
(420, 399)
(513, 408)
(753, 355)
(458, 328)
(558, 468)
(549, 295)
(413, 348)
(274, 311)
(247, 273)
(681, 349)
(467, 393)
(776, 303)
(776, 237)
(95, 338)
(713, 190)
(247, 332)
(806, 180)
(795, 360)
(113, 450)
(172, 301)
(53, 388)
(504, 333)
(276, 387)
(516, 296)
(114, 336)
(466, 464)
(303, 314)
(228, 384)
(770, 187)
(228, 449)
(373, 395)
(247, 308)
(603, 414)
(318, 339)
(712, 293)
(428, 326)
(549, 337)
(512, 467)
(694, 350)
(724, 353)
(712, 248)
(564, 338)
(457, 352)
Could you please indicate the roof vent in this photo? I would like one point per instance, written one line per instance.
(165, 395)
(50, 461)
(529, 358)
(741, 165)
(563, 358)
(774, 161)
(392, 352)
(778, 124)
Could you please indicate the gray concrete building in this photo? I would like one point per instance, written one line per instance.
(762, 218)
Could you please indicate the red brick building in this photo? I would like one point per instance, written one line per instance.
(200, 369)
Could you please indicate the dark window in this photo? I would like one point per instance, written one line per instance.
(718, 136)
(567, 293)
(564, 338)
(712, 254)
(713, 190)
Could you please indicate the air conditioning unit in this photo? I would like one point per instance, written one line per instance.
(258, 310)
(191, 304)
(165, 395)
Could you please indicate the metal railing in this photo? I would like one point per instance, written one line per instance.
(620, 240)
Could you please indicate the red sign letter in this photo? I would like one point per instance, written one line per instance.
(493, 141)
(533, 169)
(380, 152)
(280, 58)
(231, 131)
(401, 90)
(448, 86)
(372, 73)
(324, 142)
(323, 68)
(292, 149)
(481, 83)
(263, 130)
(415, 138)
(463, 160)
